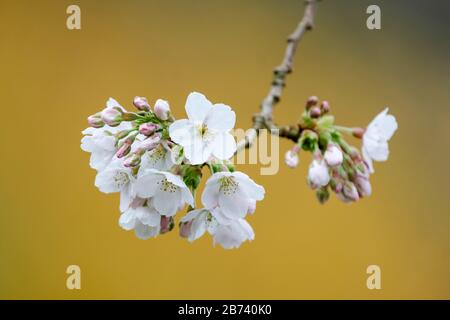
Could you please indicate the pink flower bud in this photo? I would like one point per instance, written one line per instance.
(125, 146)
(112, 116)
(132, 160)
(150, 143)
(141, 103)
(312, 101)
(350, 191)
(148, 128)
(95, 121)
(291, 159)
(185, 228)
(162, 109)
(318, 175)
(333, 156)
(363, 186)
(325, 106)
(358, 132)
(315, 112)
(166, 224)
(123, 150)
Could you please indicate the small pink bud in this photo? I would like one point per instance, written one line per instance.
(162, 109)
(112, 116)
(315, 112)
(363, 186)
(125, 146)
(350, 191)
(95, 121)
(132, 160)
(141, 103)
(185, 228)
(148, 128)
(166, 224)
(123, 150)
(333, 156)
(325, 106)
(150, 143)
(358, 132)
(291, 159)
(312, 101)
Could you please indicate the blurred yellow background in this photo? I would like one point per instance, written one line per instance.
(52, 215)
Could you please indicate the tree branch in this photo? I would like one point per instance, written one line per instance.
(264, 119)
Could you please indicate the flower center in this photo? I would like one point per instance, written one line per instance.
(167, 186)
(121, 179)
(202, 129)
(228, 185)
(157, 154)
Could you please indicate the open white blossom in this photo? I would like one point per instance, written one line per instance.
(159, 158)
(230, 235)
(195, 223)
(117, 178)
(142, 218)
(233, 192)
(233, 235)
(206, 132)
(376, 137)
(100, 142)
(168, 191)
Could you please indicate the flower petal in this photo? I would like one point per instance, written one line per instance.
(147, 184)
(167, 202)
(253, 190)
(145, 232)
(235, 204)
(220, 118)
(385, 124)
(377, 150)
(197, 107)
(224, 146)
(210, 195)
(148, 216)
(182, 132)
(126, 198)
(127, 220)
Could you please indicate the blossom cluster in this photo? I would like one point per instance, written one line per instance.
(156, 164)
(336, 165)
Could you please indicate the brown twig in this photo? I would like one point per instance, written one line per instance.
(264, 119)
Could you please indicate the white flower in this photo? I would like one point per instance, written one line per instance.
(116, 178)
(142, 218)
(100, 142)
(195, 223)
(230, 235)
(318, 175)
(333, 155)
(234, 234)
(207, 131)
(168, 191)
(375, 139)
(159, 158)
(232, 192)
